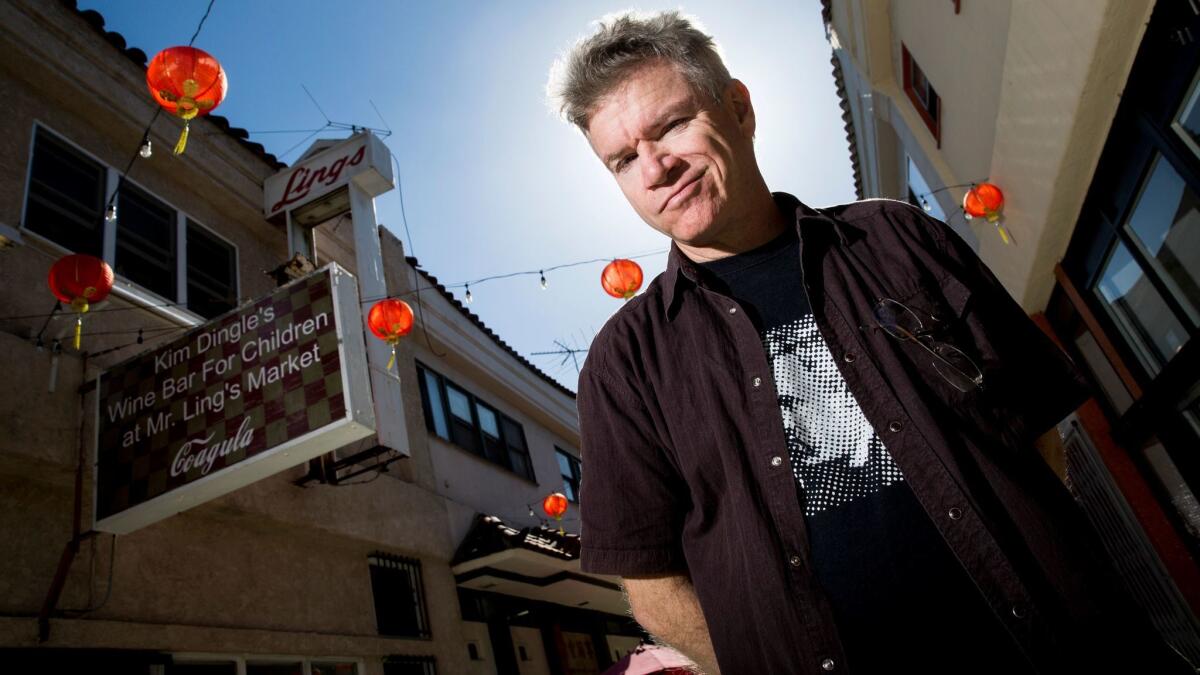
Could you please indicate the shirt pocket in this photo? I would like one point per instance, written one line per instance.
(948, 354)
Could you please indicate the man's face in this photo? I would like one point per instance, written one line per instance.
(684, 161)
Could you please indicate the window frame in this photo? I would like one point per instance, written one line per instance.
(576, 478)
(173, 308)
(479, 446)
(239, 660)
(235, 262)
(395, 564)
(932, 118)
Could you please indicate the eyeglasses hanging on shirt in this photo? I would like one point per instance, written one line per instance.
(903, 323)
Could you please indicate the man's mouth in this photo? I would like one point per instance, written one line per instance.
(688, 188)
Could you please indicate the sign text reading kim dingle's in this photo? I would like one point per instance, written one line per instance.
(225, 393)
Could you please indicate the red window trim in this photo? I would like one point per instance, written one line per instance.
(935, 125)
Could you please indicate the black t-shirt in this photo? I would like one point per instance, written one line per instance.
(899, 594)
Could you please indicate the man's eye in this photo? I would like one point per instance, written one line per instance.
(624, 163)
(673, 124)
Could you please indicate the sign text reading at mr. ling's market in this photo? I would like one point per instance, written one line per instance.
(218, 366)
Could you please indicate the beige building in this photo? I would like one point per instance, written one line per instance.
(418, 549)
(1086, 113)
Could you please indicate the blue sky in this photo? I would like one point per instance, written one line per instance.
(493, 181)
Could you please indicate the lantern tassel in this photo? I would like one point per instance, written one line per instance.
(183, 136)
(392, 361)
(1003, 234)
(78, 331)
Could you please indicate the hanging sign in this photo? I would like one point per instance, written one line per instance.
(247, 395)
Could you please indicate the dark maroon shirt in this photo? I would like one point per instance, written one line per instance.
(687, 467)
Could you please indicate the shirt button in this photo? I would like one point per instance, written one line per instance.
(955, 513)
(733, 310)
(828, 664)
(1018, 611)
(756, 381)
(776, 460)
(849, 357)
(795, 561)
(895, 426)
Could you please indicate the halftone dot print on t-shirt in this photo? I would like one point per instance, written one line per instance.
(836, 455)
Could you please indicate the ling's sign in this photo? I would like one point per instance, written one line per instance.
(256, 391)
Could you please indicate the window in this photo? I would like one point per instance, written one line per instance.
(399, 596)
(202, 668)
(146, 241)
(66, 196)
(473, 651)
(522, 653)
(274, 668)
(922, 94)
(459, 417)
(1165, 223)
(1187, 120)
(568, 466)
(211, 273)
(334, 668)
(409, 665)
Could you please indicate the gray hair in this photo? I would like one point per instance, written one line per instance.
(624, 42)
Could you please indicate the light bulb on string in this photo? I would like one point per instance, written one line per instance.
(543, 279)
(145, 151)
(925, 204)
(110, 214)
(470, 298)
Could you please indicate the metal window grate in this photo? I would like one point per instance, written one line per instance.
(1131, 551)
(399, 595)
(409, 665)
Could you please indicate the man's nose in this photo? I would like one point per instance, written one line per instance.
(657, 167)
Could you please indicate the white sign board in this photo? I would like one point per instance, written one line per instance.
(362, 158)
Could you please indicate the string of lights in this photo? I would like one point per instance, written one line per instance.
(923, 197)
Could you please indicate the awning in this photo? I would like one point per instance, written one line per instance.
(536, 563)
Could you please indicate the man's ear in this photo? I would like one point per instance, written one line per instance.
(737, 98)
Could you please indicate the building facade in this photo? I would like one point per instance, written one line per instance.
(420, 549)
(1086, 114)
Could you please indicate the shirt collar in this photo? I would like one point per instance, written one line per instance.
(681, 269)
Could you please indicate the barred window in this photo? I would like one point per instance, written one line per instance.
(66, 196)
(399, 596)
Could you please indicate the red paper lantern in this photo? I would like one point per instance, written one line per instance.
(186, 82)
(390, 319)
(621, 278)
(79, 280)
(984, 201)
(555, 505)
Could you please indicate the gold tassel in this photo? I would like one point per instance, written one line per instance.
(183, 136)
(78, 331)
(1003, 234)
(392, 361)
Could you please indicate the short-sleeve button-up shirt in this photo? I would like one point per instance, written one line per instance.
(683, 448)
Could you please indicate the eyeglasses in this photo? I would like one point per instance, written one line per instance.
(949, 361)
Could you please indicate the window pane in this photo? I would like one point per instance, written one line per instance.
(487, 421)
(66, 196)
(211, 273)
(564, 464)
(460, 405)
(436, 408)
(146, 241)
(1187, 122)
(569, 490)
(1166, 220)
(1152, 329)
(520, 463)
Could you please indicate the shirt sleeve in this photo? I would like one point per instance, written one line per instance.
(1029, 380)
(632, 499)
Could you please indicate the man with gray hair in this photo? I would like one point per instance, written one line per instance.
(810, 442)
